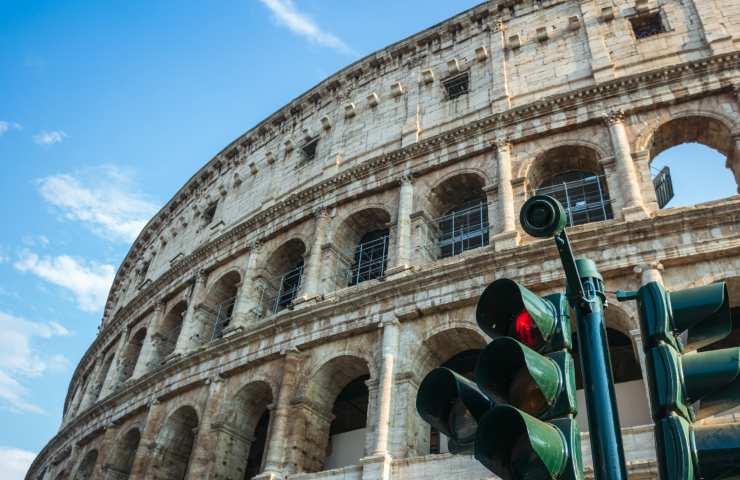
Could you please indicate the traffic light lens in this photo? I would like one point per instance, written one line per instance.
(525, 463)
(525, 394)
(525, 330)
(462, 423)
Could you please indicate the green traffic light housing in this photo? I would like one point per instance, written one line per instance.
(506, 308)
(542, 216)
(702, 312)
(515, 445)
(510, 372)
(453, 405)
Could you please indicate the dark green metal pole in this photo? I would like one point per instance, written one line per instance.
(601, 403)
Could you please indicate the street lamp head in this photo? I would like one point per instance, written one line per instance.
(542, 216)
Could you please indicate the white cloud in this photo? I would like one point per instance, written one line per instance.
(88, 281)
(5, 127)
(19, 358)
(106, 204)
(286, 13)
(49, 138)
(14, 462)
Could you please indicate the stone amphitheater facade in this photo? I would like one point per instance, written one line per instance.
(276, 317)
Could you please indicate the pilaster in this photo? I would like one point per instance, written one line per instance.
(246, 306)
(500, 95)
(204, 447)
(148, 442)
(403, 226)
(312, 276)
(192, 331)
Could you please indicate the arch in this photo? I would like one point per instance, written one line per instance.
(574, 175)
(220, 302)
(122, 458)
(131, 354)
(362, 241)
(526, 167)
(646, 138)
(87, 466)
(242, 431)
(175, 445)
(459, 207)
(703, 128)
(281, 277)
(317, 414)
(169, 331)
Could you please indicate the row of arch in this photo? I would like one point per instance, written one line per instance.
(364, 242)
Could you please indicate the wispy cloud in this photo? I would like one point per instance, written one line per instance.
(49, 138)
(5, 127)
(20, 359)
(14, 462)
(286, 13)
(87, 281)
(107, 204)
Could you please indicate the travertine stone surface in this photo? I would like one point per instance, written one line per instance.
(554, 86)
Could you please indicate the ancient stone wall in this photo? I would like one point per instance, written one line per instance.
(258, 308)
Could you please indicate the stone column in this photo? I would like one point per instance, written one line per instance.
(389, 347)
(148, 442)
(90, 394)
(247, 305)
(106, 452)
(278, 441)
(506, 234)
(403, 225)
(634, 208)
(650, 272)
(312, 273)
(204, 446)
(114, 372)
(193, 331)
(148, 351)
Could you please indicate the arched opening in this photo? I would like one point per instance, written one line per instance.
(168, 333)
(460, 208)
(282, 278)
(100, 380)
(572, 174)
(334, 415)
(85, 470)
(131, 354)
(688, 158)
(363, 242)
(175, 444)
(122, 460)
(629, 386)
(242, 435)
(220, 303)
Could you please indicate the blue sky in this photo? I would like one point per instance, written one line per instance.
(107, 108)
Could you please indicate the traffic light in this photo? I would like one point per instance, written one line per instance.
(518, 415)
(686, 385)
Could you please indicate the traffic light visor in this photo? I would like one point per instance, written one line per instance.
(515, 445)
(451, 403)
(506, 308)
(704, 312)
(510, 372)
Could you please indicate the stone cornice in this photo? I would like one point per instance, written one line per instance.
(547, 106)
(478, 264)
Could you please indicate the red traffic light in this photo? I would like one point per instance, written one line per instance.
(525, 330)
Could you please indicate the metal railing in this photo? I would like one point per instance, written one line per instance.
(282, 298)
(462, 229)
(222, 313)
(370, 261)
(585, 200)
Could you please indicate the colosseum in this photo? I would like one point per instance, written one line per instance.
(275, 318)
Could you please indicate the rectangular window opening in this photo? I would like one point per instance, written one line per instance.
(647, 25)
(309, 150)
(457, 86)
